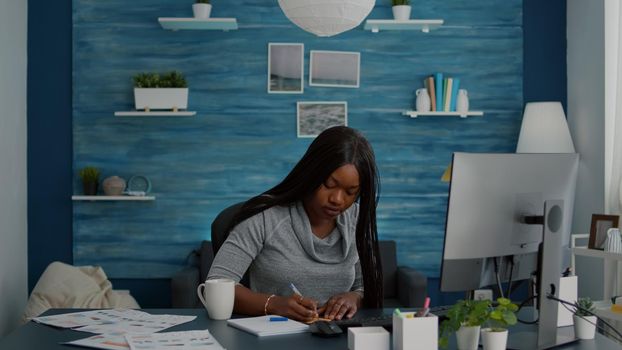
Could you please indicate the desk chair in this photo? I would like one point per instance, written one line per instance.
(403, 286)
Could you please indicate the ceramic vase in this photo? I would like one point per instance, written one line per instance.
(462, 101)
(584, 327)
(201, 11)
(468, 337)
(494, 340)
(614, 241)
(401, 12)
(422, 103)
(113, 186)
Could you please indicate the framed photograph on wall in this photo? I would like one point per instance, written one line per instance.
(598, 230)
(314, 117)
(335, 69)
(285, 68)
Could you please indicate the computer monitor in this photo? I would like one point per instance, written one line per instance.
(490, 197)
(511, 210)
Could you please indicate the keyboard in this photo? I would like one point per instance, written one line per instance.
(366, 321)
(441, 310)
(386, 320)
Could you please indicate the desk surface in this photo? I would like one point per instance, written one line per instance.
(34, 336)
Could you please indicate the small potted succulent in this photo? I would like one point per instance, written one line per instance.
(401, 10)
(584, 319)
(155, 91)
(90, 180)
(465, 318)
(500, 317)
(201, 9)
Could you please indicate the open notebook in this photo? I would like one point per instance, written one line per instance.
(262, 326)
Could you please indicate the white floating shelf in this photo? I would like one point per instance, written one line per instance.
(603, 309)
(176, 23)
(596, 253)
(375, 25)
(154, 114)
(415, 114)
(113, 198)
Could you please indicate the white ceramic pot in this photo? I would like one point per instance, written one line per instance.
(462, 101)
(584, 327)
(201, 11)
(113, 186)
(423, 100)
(401, 12)
(468, 338)
(492, 340)
(161, 98)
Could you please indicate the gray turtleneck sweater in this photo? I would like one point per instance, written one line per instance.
(278, 248)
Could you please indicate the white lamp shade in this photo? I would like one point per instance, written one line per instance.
(326, 17)
(544, 129)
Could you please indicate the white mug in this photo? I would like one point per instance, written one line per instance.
(217, 297)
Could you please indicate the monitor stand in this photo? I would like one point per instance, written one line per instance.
(549, 268)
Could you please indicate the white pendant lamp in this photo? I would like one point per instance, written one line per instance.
(326, 17)
(544, 129)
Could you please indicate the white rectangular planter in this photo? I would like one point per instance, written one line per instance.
(368, 338)
(411, 332)
(161, 98)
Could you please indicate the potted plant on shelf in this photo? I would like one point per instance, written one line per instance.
(401, 10)
(90, 180)
(584, 319)
(155, 91)
(201, 9)
(495, 337)
(465, 319)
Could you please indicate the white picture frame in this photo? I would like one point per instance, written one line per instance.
(313, 117)
(335, 69)
(286, 68)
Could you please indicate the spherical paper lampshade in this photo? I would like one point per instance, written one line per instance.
(326, 17)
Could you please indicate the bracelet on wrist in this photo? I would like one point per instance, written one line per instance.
(265, 306)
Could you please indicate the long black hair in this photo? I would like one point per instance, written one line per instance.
(333, 148)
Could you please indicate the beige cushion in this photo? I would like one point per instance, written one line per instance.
(66, 286)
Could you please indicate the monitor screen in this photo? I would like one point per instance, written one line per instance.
(489, 197)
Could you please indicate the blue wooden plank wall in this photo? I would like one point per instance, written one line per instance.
(243, 140)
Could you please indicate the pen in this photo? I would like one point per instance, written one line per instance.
(296, 291)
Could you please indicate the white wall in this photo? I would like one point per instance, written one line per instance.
(13, 219)
(586, 118)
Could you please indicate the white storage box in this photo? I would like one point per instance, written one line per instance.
(368, 338)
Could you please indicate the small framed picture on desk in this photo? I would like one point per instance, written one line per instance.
(598, 230)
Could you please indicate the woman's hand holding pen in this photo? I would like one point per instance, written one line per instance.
(340, 305)
(295, 307)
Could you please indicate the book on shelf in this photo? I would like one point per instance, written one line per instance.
(447, 94)
(438, 82)
(443, 92)
(429, 85)
(454, 93)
